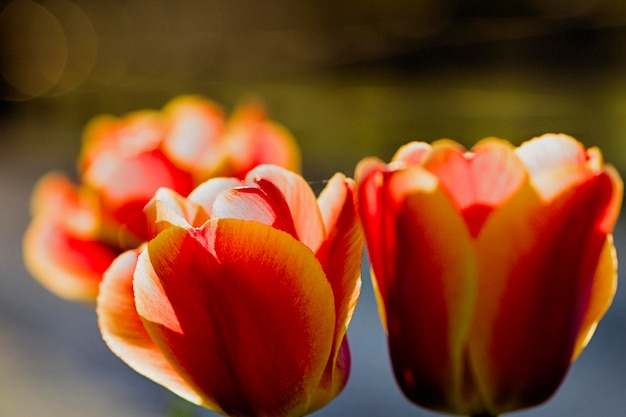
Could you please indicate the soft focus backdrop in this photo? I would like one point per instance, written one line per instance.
(349, 78)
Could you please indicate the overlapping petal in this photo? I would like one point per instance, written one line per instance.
(125, 160)
(237, 313)
(493, 265)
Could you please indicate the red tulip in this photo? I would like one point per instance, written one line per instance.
(123, 162)
(493, 266)
(241, 301)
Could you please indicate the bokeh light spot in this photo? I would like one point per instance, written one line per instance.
(33, 49)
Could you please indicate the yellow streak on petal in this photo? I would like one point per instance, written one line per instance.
(124, 333)
(602, 292)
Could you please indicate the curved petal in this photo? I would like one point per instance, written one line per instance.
(602, 293)
(242, 310)
(478, 180)
(537, 267)
(126, 185)
(128, 136)
(334, 381)
(168, 208)
(300, 199)
(431, 296)
(413, 153)
(252, 139)
(376, 210)
(264, 204)
(124, 333)
(341, 254)
(196, 127)
(206, 193)
(550, 151)
(68, 265)
(557, 162)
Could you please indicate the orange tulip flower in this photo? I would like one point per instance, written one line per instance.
(241, 301)
(78, 229)
(492, 266)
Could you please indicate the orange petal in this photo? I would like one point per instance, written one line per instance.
(242, 310)
(252, 139)
(60, 200)
(377, 212)
(126, 185)
(196, 127)
(556, 162)
(341, 253)
(551, 151)
(264, 204)
(479, 180)
(137, 132)
(536, 272)
(124, 333)
(435, 265)
(168, 208)
(343, 249)
(68, 265)
(413, 153)
(602, 293)
(300, 200)
(205, 193)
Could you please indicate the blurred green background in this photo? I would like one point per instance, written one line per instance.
(349, 79)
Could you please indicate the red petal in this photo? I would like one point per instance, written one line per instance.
(252, 140)
(413, 153)
(341, 254)
(420, 249)
(127, 184)
(377, 211)
(537, 269)
(124, 333)
(264, 204)
(206, 193)
(602, 293)
(300, 199)
(196, 127)
(68, 265)
(431, 296)
(242, 310)
(477, 181)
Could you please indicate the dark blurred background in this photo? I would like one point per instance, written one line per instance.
(349, 79)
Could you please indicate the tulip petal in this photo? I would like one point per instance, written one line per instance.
(300, 200)
(379, 225)
(343, 248)
(341, 257)
(206, 193)
(549, 152)
(168, 208)
(124, 333)
(264, 204)
(557, 162)
(127, 184)
(412, 153)
(252, 139)
(196, 126)
(602, 292)
(70, 266)
(432, 294)
(478, 180)
(534, 291)
(135, 133)
(250, 327)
